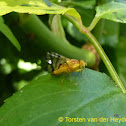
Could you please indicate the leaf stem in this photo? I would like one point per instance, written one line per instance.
(93, 23)
(48, 41)
(106, 60)
(100, 50)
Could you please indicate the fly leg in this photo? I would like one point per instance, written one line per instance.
(62, 79)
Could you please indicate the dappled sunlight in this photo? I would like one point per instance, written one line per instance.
(27, 65)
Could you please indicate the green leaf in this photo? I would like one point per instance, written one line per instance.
(79, 3)
(8, 33)
(38, 7)
(114, 11)
(90, 95)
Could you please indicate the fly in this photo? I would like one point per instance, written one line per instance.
(60, 64)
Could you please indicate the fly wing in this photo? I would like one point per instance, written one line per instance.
(55, 60)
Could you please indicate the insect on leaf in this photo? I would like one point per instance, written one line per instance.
(60, 64)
